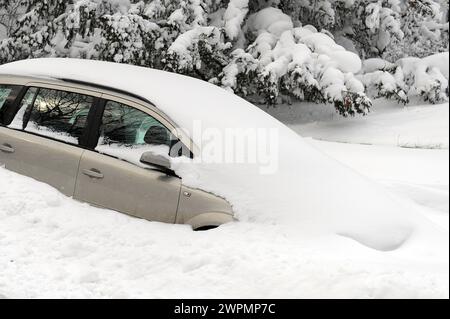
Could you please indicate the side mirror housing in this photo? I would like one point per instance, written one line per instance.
(157, 160)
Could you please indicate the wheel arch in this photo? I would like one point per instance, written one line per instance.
(209, 219)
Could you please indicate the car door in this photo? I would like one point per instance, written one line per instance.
(44, 138)
(112, 176)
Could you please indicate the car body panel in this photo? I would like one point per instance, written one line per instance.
(195, 202)
(43, 159)
(125, 187)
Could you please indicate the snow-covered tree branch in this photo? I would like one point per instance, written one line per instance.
(268, 51)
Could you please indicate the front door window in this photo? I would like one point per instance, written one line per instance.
(127, 133)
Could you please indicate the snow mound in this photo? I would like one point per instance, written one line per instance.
(78, 251)
(291, 184)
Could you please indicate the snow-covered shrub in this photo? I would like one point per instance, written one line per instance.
(408, 77)
(425, 24)
(389, 29)
(427, 77)
(199, 52)
(234, 17)
(10, 12)
(288, 62)
(383, 79)
(128, 38)
(371, 26)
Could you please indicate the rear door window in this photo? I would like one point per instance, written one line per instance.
(25, 104)
(4, 94)
(56, 114)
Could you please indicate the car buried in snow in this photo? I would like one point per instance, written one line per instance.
(69, 133)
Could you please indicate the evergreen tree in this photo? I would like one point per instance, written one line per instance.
(268, 51)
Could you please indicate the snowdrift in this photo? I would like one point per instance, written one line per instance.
(308, 191)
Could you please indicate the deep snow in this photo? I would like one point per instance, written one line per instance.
(310, 209)
(300, 179)
(74, 250)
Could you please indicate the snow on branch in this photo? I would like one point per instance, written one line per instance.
(268, 51)
(299, 62)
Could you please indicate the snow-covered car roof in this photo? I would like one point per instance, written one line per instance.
(184, 99)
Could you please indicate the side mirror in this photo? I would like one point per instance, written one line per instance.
(157, 160)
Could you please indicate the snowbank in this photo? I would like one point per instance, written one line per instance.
(397, 169)
(420, 126)
(307, 191)
(77, 251)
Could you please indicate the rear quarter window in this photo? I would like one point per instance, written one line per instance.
(8, 95)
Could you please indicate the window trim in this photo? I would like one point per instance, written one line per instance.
(100, 93)
(17, 97)
(66, 88)
(95, 122)
(143, 109)
(147, 108)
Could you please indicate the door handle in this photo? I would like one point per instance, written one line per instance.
(93, 173)
(6, 148)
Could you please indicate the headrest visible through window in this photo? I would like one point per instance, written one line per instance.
(157, 135)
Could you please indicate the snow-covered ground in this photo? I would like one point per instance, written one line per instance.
(52, 246)
(415, 126)
(417, 174)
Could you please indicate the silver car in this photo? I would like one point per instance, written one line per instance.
(72, 135)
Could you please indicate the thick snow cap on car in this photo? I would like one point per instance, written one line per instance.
(304, 189)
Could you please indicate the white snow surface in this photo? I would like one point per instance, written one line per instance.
(390, 124)
(74, 250)
(316, 228)
(54, 247)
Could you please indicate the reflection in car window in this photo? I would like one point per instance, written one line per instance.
(27, 101)
(8, 94)
(127, 133)
(128, 126)
(4, 94)
(58, 114)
